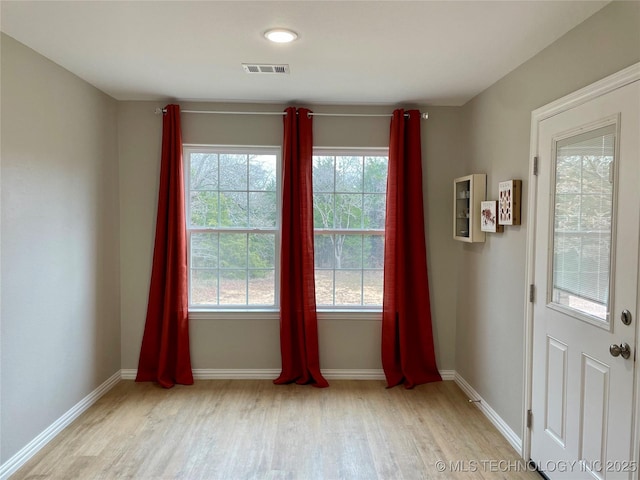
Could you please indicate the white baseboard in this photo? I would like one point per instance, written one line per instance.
(128, 373)
(448, 374)
(219, 374)
(271, 373)
(28, 451)
(490, 413)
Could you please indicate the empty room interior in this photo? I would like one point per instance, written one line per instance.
(159, 223)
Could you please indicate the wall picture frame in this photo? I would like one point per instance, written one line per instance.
(489, 217)
(509, 193)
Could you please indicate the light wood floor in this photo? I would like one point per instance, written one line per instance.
(252, 429)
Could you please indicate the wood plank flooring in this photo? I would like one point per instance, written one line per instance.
(252, 429)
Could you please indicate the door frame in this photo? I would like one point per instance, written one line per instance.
(617, 80)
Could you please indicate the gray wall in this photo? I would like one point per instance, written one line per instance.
(59, 246)
(249, 343)
(491, 276)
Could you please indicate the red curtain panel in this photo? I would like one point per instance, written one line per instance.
(164, 355)
(298, 318)
(408, 355)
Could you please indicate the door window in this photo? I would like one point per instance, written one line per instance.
(582, 222)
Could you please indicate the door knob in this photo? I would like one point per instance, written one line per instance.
(622, 349)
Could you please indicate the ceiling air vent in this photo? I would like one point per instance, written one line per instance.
(265, 68)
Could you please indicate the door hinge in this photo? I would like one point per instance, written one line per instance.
(535, 165)
(532, 292)
(529, 418)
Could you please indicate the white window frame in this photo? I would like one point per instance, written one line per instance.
(346, 312)
(223, 312)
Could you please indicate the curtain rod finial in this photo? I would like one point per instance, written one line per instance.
(425, 116)
(160, 111)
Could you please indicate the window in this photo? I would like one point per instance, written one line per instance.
(583, 213)
(233, 212)
(349, 204)
(233, 226)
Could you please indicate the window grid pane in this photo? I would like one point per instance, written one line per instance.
(349, 210)
(583, 214)
(233, 210)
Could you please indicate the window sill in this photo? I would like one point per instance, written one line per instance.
(364, 315)
(234, 315)
(323, 315)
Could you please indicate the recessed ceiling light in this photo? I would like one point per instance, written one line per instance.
(280, 35)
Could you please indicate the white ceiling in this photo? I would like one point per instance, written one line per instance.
(353, 52)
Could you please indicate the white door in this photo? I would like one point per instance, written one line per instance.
(586, 275)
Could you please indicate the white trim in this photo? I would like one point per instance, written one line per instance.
(597, 89)
(448, 375)
(276, 230)
(271, 373)
(353, 374)
(235, 373)
(34, 446)
(128, 373)
(371, 315)
(350, 315)
(236, 315)
(220, 373)
(490, 413)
